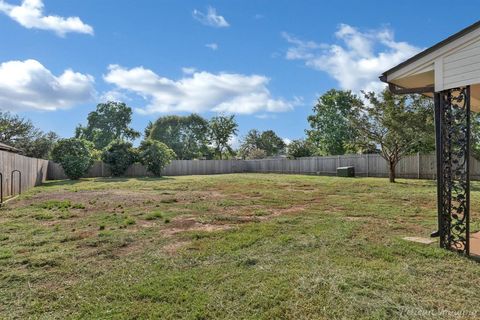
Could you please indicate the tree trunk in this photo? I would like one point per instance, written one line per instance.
(392, 165)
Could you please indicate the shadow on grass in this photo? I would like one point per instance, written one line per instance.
(474, 185)
(415, 182)
(55, 183)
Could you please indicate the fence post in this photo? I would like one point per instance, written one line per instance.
(418, 165)
(368, 165)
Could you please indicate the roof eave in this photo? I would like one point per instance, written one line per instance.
(425, 52)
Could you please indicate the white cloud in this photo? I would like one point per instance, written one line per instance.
(27, 85)
(210, 18)
(30, 15)
(287, 141)
(199, 92)
(212, 46)
(114, 95)
(189, 70)
(357, 60)
(265, 116)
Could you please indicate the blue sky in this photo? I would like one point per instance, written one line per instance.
(265, 61)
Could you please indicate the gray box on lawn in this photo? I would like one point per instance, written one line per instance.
(346, 172)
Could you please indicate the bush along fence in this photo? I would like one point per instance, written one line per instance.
(367, 165)
(19, 173)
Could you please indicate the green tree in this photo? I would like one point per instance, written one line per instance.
(20, 133)
(256, 153)
(221, 129)
(155, 155)
(15, 129)
(475, 134)
(41, 146)
(110, 121)
(250, 142)
(272, 143)
(331, 131)
(74, 155)
(148, 129)
(300, 148)
(267, 141)
(187, 136)
(119, 155)
(399, 125)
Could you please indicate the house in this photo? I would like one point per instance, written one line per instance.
(451, 63)
(449, 71)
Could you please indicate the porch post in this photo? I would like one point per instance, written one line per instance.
(452, 129)
(438, 149)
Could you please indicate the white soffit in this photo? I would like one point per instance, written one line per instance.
(450, 63)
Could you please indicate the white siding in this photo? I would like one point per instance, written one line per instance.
(462, 67)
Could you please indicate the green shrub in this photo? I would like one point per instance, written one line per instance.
(155, 155)
(74, 155)
(119, 155)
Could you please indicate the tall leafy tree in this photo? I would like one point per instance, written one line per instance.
(14, 129)
(256, 154)
(110, 121)
(187, 136)
(331, 131)
(272, 143)
(250, 142)
(148, 129)
(41, 146)
(399, 125)
(475, 134)
(221, 130)
(20, 133)
(268, 141)
(299, 148)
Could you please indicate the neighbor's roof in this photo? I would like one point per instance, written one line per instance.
(6, 147)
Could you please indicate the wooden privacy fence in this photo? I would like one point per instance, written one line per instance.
(33, 172)
(366, 165)
(175, 168)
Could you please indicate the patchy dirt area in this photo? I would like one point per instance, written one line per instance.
(109, 219)
(182, 224)
(118, 247)
(107, 198)
(174, 247)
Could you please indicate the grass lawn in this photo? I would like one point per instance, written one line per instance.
(240, 246)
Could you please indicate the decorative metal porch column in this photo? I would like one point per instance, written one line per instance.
(452, 122)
